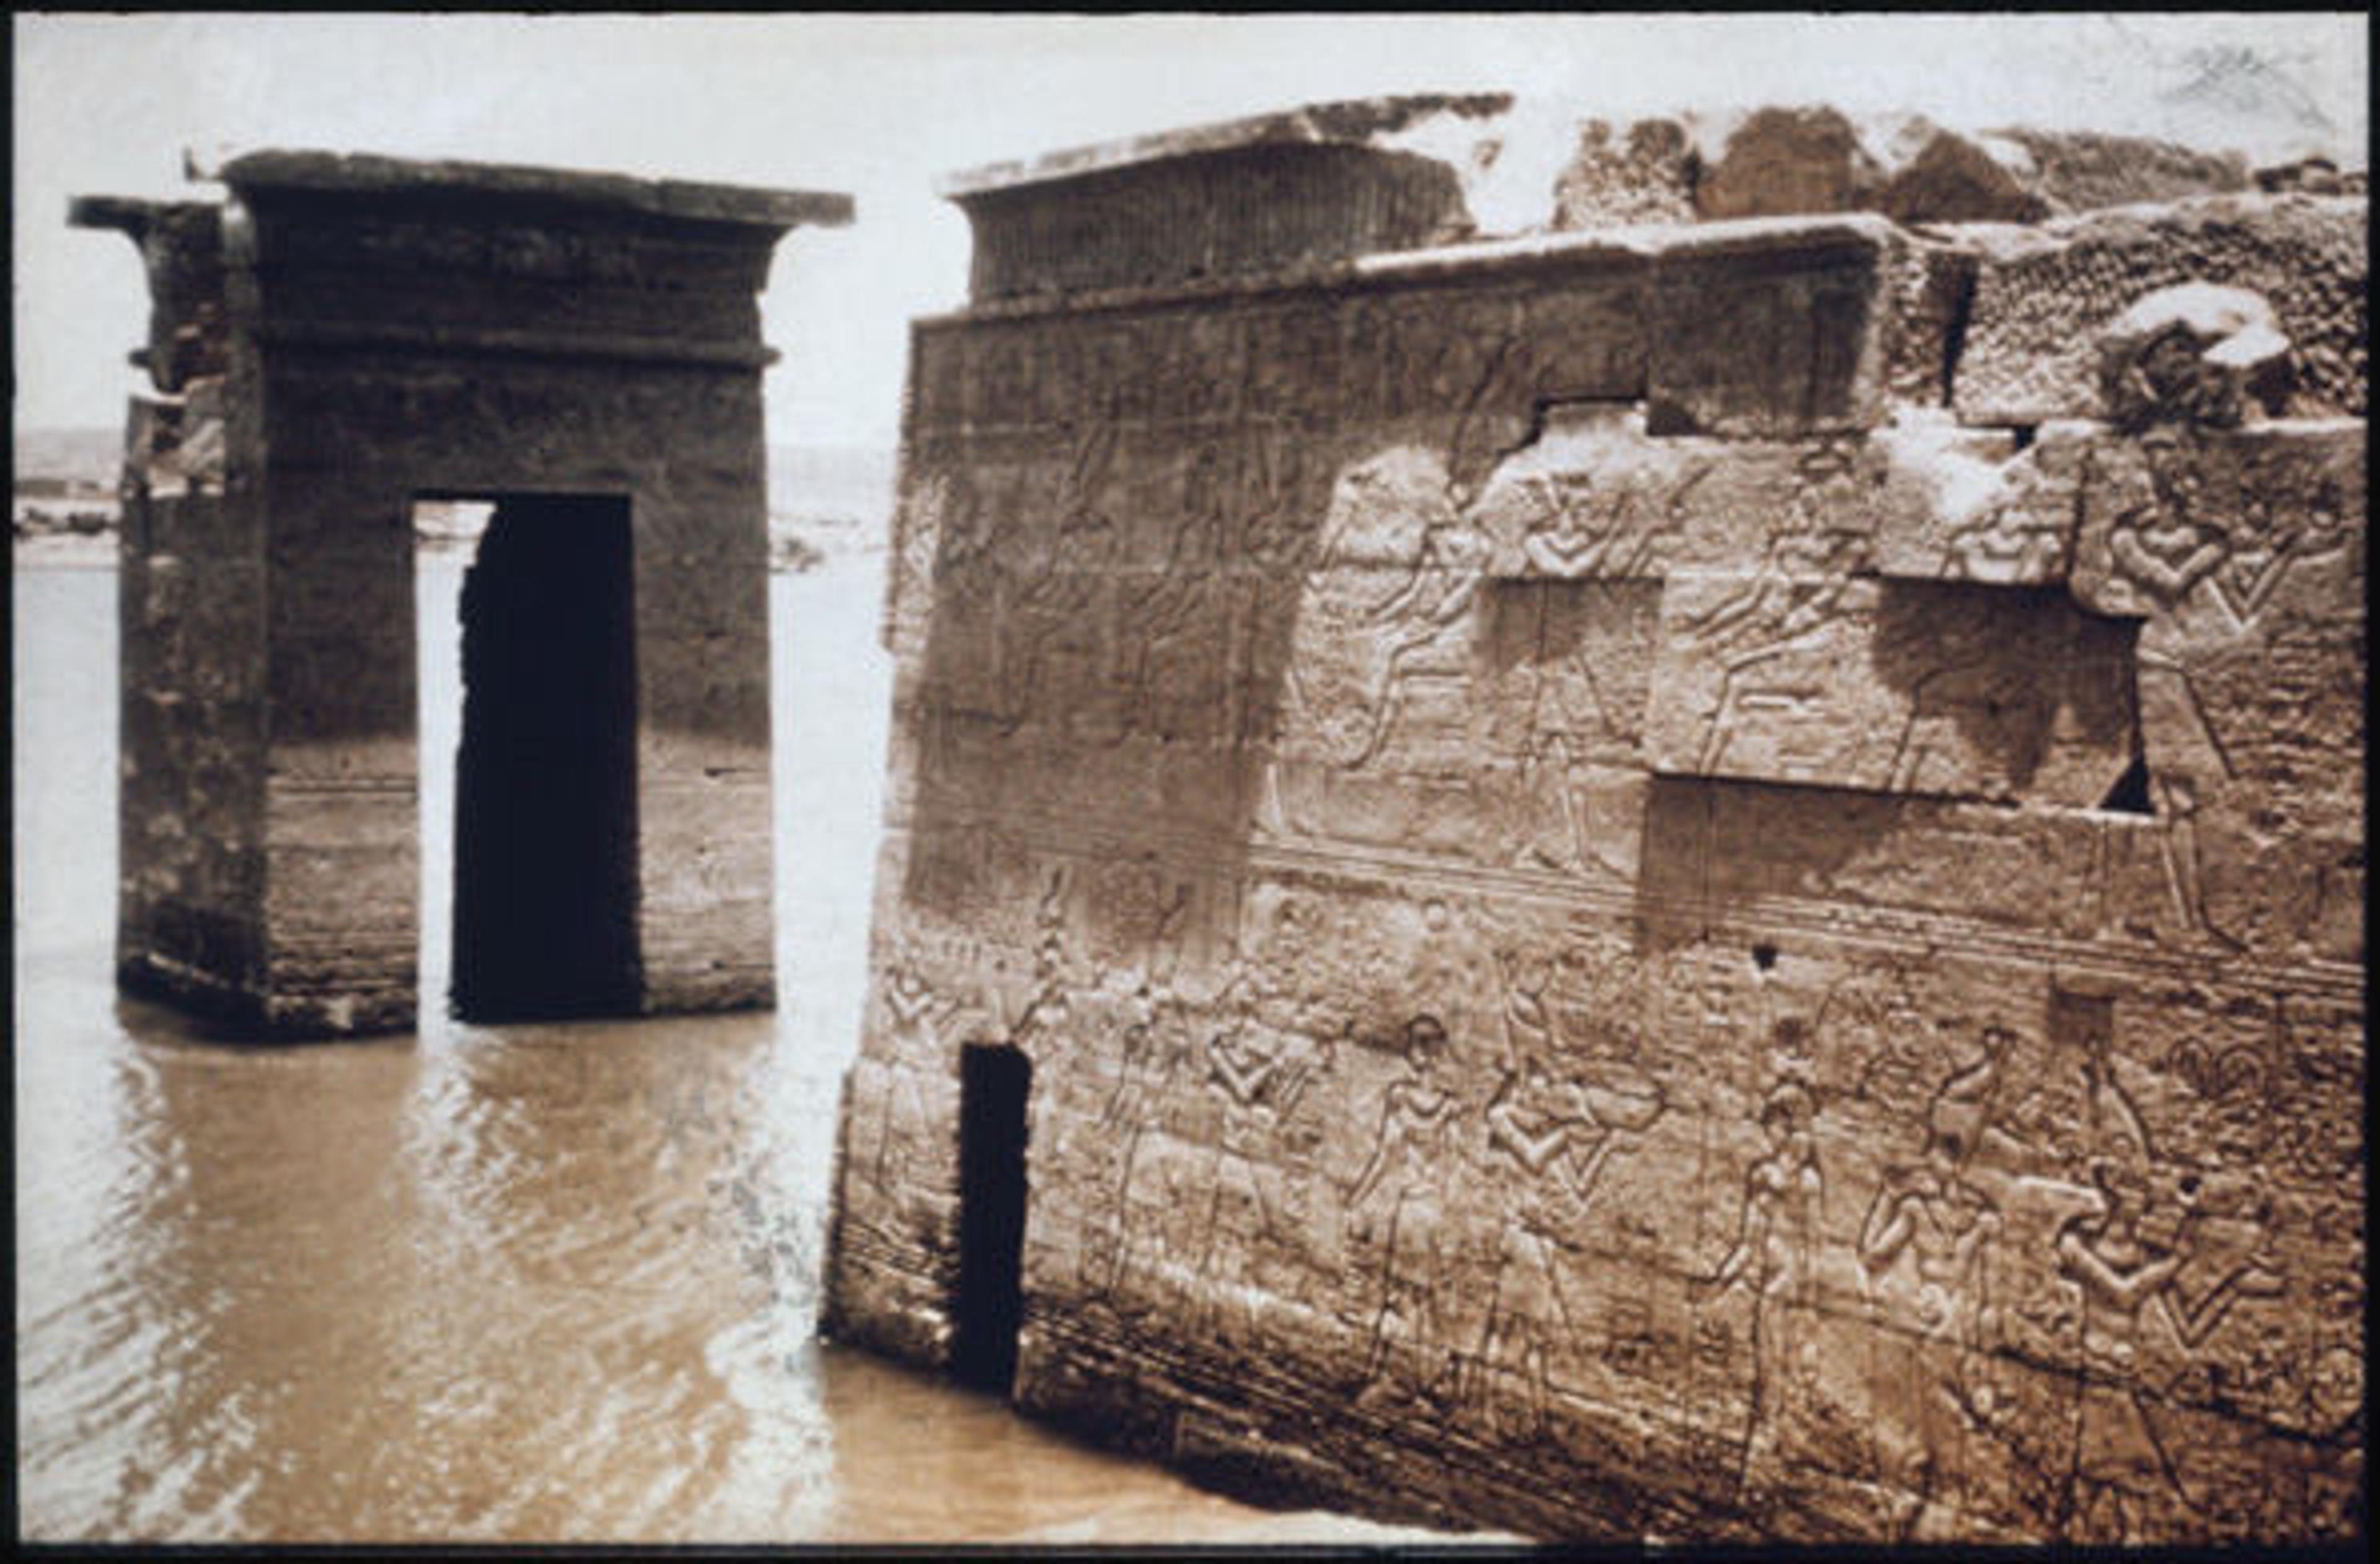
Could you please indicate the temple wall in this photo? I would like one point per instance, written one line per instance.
(1638, 908)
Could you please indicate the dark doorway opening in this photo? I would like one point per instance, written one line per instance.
(994, 1082)
(545, 776)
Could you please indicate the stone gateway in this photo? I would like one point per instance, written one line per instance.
(340, 338)
(1664, 828)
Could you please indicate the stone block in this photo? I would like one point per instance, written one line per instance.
(1783, 161)
(1769, 330)
(1618, 174)
(1264, 194)
(1956, 690)
(2194, 354)
(2083, 171)
(1966, 504)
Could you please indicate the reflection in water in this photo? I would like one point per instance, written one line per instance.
(548, 1281)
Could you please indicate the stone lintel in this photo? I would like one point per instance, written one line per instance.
(529, 186)
(1354, 123)
(1850, 236)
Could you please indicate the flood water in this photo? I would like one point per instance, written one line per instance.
(484, 1283)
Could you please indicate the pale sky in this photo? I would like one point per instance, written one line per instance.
(878, 106)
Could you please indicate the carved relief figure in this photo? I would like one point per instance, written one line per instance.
(916, 1012)
(2006, 545)
(1569, 719)
(2127, 1264)
(1572, 531)
(1777, 1224)
(1790, 605)
(1423, 621)
(1925, 1249)
(1775, 1259)
(1411, 1162)
(1529, 1025)
(1144, 1076)
(2121, 1472)
(2175, 797)
(2276, 537)
(918, 528)
(1059, 603)
(1257, 1075)
(2165, 551)
(1160, 622)
(1557, 1135)
(1041, 1020)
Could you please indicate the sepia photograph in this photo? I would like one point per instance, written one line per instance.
(1383, 781)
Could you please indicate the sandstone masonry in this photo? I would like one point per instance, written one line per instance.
(1670, 817)
(337, 339)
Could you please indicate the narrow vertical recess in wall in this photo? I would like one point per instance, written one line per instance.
(1954, 333)
(545, 778)
(995, 1082)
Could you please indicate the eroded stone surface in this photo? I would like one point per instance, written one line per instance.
(1317, 187)
(2196, 354)
(2043, 295)
(344, 336)
(1628, 920)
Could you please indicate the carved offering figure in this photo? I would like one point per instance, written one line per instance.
(2123, 1475)
(916, 1016)
(1547, 1141)
(2125, 1484)
(1256, 1076)
(1770, 634)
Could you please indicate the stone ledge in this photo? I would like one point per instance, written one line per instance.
(372, 175)
(1358, 122)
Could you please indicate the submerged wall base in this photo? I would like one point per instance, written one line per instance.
(1653, 892)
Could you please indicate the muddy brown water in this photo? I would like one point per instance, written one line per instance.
(481, 1283)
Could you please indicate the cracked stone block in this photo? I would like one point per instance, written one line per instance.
(1780, 160)
(1627, 173)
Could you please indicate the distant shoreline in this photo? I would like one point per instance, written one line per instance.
(65, 551)
(98, 552)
